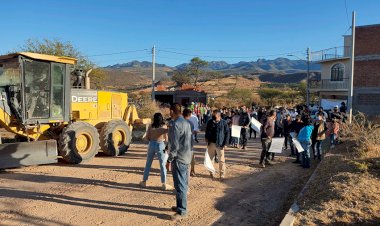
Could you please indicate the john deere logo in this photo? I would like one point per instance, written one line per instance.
(83, 99)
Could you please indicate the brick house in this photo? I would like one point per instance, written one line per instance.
(333, 87)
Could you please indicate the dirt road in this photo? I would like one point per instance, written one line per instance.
(105, 191)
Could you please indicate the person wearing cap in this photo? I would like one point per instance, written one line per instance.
(335, 114)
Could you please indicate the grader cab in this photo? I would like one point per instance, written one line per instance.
(53, 116)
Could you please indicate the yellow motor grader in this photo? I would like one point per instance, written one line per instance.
(52, 115)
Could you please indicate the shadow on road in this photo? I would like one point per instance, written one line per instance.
(26, 219)
(37, 178)
(96, 204)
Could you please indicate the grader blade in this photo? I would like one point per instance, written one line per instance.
(15, 155)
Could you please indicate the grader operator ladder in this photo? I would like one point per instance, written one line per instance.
(52, 116)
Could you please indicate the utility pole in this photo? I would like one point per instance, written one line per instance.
(308, 78)
(153, 71)
(351, 84)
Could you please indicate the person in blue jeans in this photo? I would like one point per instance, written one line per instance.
(319, 134)
(180, 143)
(156, 134)
(304, 137)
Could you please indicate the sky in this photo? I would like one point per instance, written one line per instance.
(119, 31)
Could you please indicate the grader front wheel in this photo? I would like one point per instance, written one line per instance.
(115, 138)
(78, 142)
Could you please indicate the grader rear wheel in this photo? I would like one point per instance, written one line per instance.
(78, 142)
(115, 138)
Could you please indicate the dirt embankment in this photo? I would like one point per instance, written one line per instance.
(345, 190)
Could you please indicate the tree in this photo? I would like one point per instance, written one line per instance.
(302, 88)
(191, 73)
(269, 95)
(97, 77)
(240, 96)
(181, 77)
(194, 68)
(291, 96)
(57, 48)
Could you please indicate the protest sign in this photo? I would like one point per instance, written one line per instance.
(235, 131)
(208, 163)
(298, 145)
(277, 144)
(255, 125)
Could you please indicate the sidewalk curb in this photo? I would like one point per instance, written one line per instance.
(290, 217)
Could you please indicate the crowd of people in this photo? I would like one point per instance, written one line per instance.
(172, 140)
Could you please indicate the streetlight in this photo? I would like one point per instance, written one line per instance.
(308, 74)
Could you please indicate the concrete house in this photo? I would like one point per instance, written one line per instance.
(333, 86)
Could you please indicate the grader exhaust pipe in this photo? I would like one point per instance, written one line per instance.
(87, 80)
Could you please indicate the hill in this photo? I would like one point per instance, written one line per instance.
(136, 74)
(279, 65)
(131, 77)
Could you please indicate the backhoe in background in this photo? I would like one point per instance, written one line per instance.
(52, 111)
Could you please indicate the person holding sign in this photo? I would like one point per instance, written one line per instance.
(244, 123)
(304, 137)
(251, 128)
(296, 127)
(288, 139)
(267, 133)
(235, 122)
(217, 135)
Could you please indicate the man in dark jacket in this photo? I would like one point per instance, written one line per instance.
(217, 135)
(267, 133)
(244, 123)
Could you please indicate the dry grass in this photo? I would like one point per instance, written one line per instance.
(346, 190)
(364, 135)
(147, 108)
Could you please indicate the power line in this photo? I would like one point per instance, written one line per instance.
(227, 57)
(143, 58)
(116, 53)
(345, 6)
(208, 50)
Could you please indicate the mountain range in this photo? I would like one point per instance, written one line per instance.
(135, 74)
(279, 65)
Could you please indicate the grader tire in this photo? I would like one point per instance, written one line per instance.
(78, 142)
(115, 138)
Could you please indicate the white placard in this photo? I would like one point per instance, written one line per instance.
(293, 134)
(277, 144)
(256, 125)
(235, 131)
(298, 145)
(208, 163)
(331, 103)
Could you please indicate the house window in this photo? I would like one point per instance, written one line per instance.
(337, 72)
